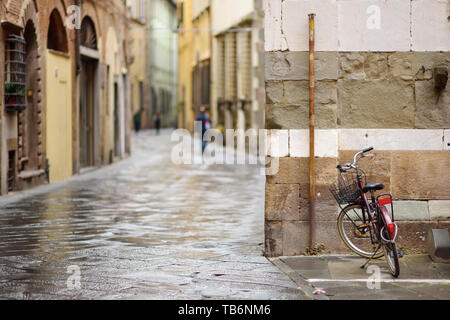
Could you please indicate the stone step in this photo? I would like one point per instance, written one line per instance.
(25, 175)
(438, 245)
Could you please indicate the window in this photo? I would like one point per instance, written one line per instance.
(205, 83)
(154, 100)
(88, 34)
(201, 85)
(220, 68)
(132, 7)
(15, 74)
(57, 38)
(142, 11)
(141, 95)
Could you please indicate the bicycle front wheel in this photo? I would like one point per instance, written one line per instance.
(356, 235)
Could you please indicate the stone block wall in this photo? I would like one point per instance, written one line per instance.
(380, 93)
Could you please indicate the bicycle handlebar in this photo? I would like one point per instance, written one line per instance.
(354, 165)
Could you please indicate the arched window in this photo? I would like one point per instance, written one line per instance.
(57, 38)
(88, 34)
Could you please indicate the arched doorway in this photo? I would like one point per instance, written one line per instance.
(32, 114)
(30, 164)
(59, 101)
(56, 36)
(88, 112)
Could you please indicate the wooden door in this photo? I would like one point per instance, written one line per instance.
(86, 120)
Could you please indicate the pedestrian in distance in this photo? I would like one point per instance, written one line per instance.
(157, 120)
(206, 123)
(137, 119)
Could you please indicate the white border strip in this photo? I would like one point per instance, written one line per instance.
(431, 281)
(392, 139)
(295, 143)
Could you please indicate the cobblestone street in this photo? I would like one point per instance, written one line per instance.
(142, 228)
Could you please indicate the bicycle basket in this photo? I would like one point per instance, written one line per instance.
(346, 190)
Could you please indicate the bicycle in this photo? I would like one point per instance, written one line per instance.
(366, 224)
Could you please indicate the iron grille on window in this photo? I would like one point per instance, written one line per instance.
(15, 74)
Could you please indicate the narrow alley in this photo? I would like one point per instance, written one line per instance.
(142, 228)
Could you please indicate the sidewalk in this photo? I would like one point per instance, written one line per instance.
(341, 277)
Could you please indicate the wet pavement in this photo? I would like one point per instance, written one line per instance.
(341, 278)
(142, 228)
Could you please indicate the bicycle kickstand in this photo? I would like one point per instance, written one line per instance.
(371, 258)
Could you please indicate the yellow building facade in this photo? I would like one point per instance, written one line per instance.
(194, 85)
(59, 116)
(185, 53)
(138, 52)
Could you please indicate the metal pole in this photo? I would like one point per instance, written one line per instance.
(77, 45)
(312, 180)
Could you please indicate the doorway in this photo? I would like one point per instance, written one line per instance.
(87, 116)
(31, 115)
(88, 121)
(116, 120)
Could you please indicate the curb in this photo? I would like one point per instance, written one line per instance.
(306, 287)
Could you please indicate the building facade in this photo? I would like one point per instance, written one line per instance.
(194, 82)
(162, 62)
(379, 81)
(238, 64)
(222, 62)
(138, 11)
(75, 112)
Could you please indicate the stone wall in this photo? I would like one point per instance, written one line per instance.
(399, 86)
(379, 94)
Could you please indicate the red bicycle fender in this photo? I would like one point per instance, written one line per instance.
(388, 220)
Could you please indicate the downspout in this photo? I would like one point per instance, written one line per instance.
(76, 166)
(312, 180)
(77, 43)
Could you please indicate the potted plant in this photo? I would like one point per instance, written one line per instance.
(12, 92)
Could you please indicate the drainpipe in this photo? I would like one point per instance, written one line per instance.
(77, 44)
(312, 180)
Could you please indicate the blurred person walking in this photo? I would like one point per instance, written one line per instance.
(157, 120)
(137, 121)
(206, 124)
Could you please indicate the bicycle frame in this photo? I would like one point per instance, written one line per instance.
(364, 202)
(376, 218)
(376, 210)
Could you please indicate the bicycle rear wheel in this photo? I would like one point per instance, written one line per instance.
(389, 246)
(391, 255)
(355, 234)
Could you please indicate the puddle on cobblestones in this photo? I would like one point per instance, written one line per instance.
(143, 213)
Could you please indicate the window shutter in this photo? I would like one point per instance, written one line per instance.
(230, 66)
(243, 65)
(220, 68)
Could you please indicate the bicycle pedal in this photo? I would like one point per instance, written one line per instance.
(361, 231)
(363, 228)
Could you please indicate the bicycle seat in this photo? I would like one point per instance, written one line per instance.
(372, 186)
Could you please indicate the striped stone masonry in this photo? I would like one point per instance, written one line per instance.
(373, 87)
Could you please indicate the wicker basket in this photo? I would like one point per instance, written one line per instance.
(346, 190)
